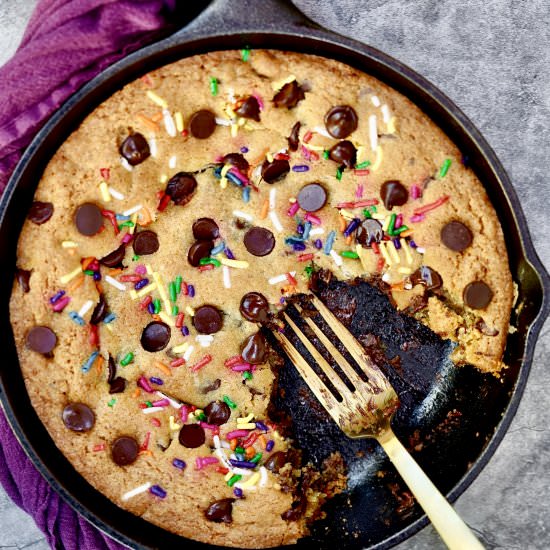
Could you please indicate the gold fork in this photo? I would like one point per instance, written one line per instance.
(366, 411)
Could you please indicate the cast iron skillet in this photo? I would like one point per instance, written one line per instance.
(470, 412)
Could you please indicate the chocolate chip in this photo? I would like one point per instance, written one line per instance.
(220, 510)
(155, 336)
(289, 95)
(112, 369)
(238, 161)
(114, 258)
(456, 236)
(213, 386)
(40, 212)
(297, 511)
(124, 450)
(294, 137)
(207, 319)
(393, 193)
(41, 339)
(484, 328)
(249, 108)
(312, 197)
(254, 307)
(88, 219)
(259, 241)
(206, 229)
(192, 436)
(145, 242)
(344, 153)
(118, 385)
(181, 187)
(275, 170)
(276, 461)
(78, 417)
(426, 276)
(477, 295)
(341, 121)
(198, 251)
(135, 149)
(217, 413)
(254, 349)
(202, 124)
(23, 277)
(369, 231)
(100, 311)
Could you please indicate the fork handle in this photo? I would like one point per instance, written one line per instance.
(452, 529)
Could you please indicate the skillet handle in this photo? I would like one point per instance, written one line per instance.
(245, 16)
(451, 528)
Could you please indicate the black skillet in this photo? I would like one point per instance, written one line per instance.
(456, 419)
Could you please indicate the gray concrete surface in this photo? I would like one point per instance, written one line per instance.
(492, 58)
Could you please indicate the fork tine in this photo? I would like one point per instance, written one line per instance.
(321, 361)
(308, 374)
(353, 377)
(376, 377)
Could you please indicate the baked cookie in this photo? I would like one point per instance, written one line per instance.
(177, 218)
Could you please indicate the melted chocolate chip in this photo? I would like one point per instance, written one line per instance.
(155, 336)
(276, 461)
(112, 369)
(88, 219)
(213, 386)
(254, 349)
(238, 161)
(249, 108)
(41, 339)
(456, 236)
(23, 277)
(259, 241)
(202, 124)
(192, 436)
(217, 413)
(297, 511)
(118, 385)
(294, 137)
(40, 212)
(145, 242)
(254, 307)
(135, 149)
(477, 295)
(198, 251)
(78, 417)
(369, 231)
(114, 258)
(207, 319)
(275, 170)
(220, 510)
(426, 276)
(206, 229)
(181, 187)
(344, 153)
(100, 311)
(341, 121)
(482, 326)
(124, 450)
(393, 193)
(289, 95)
(312, 197)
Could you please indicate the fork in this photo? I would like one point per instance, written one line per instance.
(366, 411)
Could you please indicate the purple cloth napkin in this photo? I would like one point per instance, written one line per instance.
(66, 43)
